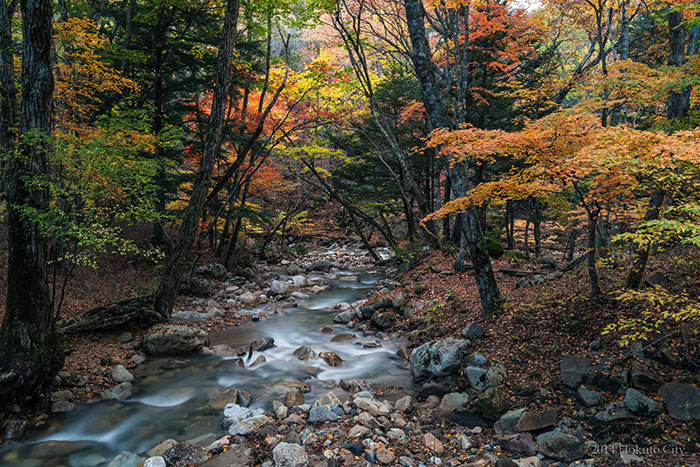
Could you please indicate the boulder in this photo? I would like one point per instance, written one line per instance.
(682, 400)
(173, 339)
(263, 343)
(531, 421)
(248, 298)
(590, 397)
(118, 393)
(573, 369)
(473, 331)
(491, 404)
(294, 270)
(322, 414)
(331, 358)
(62, 407)
(277, 288)
(615, 411)
(520, 443)
(290, 455)
(476, 377)
(343, 337)
(121, 374)
(304, 353)
(438, 358)
(453, 401)
(508, 422)
(299, 281)
(398, 301)
(641, 404)
(560, 446)
(367, 311)
(320, 265)
(343, 317)
(383, 321)
(185, 454)
(496, 375)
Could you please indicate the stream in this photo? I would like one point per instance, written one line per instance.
(171, 394)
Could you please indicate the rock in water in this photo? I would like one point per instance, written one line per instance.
(682, 400)
(343, 317)
(172, 339)
(290, 455)
(438, 358)
(119, 392)
(185, 454)
(155, 461)
(126, 459)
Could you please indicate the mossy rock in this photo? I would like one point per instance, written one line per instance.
(516, 255)
(491, 404)
(494, 247)
(419, 289)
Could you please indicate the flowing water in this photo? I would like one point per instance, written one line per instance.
(171, 395)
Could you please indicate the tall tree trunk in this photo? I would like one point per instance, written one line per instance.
(164, 299)
(676, 108)
(472, 237)
(592, 257)
(30, 350)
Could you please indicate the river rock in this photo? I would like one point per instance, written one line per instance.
(560, 446)
(343, 317)
(384, 456)
(405, 404)
(590, 397)
(119, 392)
(432, 443)
(508, 422)
(243, 421)
(682, 400)
(126, 459)
(373, 406)
(62, 407)
(641, 404)
(531, 421)
(304, 353)
(438, 358)
(322, 414)
(331, 358)
(453, 401)
(383, 321)
(263, 343)
(290, 455)
(155, 461)
(173, 339)
(476, 377)
(299, 281)
(277, 288)
(521, 443)
(354, 385)
(343, 337)
(185, 454)
(496, 375)
(161, 447)
(230, 396)
(329, 400)
(398, 301)
(299, 295)
(64, 395)
(294, 270)
(613, 412)
(248, 298)
(121, 374)
(491, 404)
(473, 331)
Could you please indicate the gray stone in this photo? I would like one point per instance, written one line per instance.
(476, 359)
(399, 300)
(263, 343)
(438, 358)
(299, 280)
(137, 359)
(613, 412)
(248, 298)
(64, 395)
(155, 461)
(343, 317)
(520, 443)
(405, 404)
(560, 446)
(304, 353)
(531, 421)
(185, 454)
(453, 401)
(290, 455)
(476, 377)
(573, 369)
(172, 339)
(491, 404)
(682, 400)
(383, 321)
(496, 375)
(125, 337)
(508, 422)
(62, 407)
(121, 374)
(119, 392)
(641, 404)
(277, 288)
(321, 414)
(373, 406)
(589, 397)
(473, 331)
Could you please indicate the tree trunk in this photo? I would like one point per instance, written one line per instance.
(592, 257)
(676, 44)
(30, 350)
(641, 253)
(472, 237)
(164, 299)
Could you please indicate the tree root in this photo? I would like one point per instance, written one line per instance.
(137, 311)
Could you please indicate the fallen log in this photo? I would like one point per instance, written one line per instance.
(136, 311)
